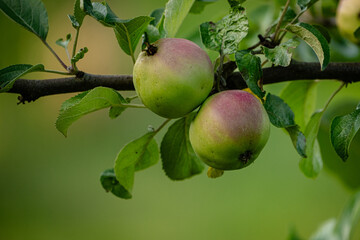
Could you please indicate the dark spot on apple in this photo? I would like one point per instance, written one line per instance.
(245, 157)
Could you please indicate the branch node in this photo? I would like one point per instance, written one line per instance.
(80, 74)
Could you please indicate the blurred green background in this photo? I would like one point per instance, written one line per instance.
(49, 185)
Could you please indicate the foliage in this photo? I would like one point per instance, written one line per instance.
(294, 110)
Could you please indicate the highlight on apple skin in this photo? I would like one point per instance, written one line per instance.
(230, 130)
(175, 79)
(348, 18)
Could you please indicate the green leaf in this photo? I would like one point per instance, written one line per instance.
(64, 43)
(86, 6)
(298, 139)
(135, 156)
(312, 165)
(79, 14)
(342, 228)
(114, 112)
(343, 130)
(111, 184)
(326, 231)
(305, 4)
(174, 14)
(209, 31)
(199, 5)
(226, 34)
(129, 32)
(157, 15)
(349, 218)
(103, 14)
(293, 235)
(280, 114)
(151, 35)
(87, 102)
(79, 55)
(301, 98)
(72, 101)
(10, 74)
(31, 14)
(74, 22)
(250, 68)
(178, 157)
(290, 14)
(281, 55)
(235, 3)
(324, 31)
(314, 39)
(357, 33)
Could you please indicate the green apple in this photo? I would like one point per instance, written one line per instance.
(173, 77)
(230, 130)
(348, 18)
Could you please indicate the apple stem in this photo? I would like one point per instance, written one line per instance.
(150, 49)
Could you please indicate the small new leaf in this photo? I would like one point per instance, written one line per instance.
(314, 39)
(85, 103)
(79, 55)
(226, 34)
(31, 14)
(64, 43)
(10, 74)
(135, 156)
(111, 184)
(281, 55)
(343, 130)
(178, 157)
(250, 68)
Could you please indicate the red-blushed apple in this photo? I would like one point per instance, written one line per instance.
(348, 18)
(230, 130)
(174, 77)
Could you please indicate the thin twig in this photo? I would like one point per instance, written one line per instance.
(280, 21)
(54, 53)
(333, 95)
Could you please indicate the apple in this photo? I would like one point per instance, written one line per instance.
(348, 18)
(230, 130)
(173, 77)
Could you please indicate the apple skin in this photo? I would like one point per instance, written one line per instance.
(230, 130)
(176, 79)
(348, 18)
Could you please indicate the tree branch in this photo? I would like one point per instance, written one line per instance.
(30, 90)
